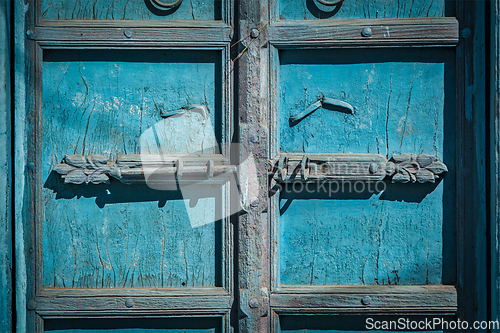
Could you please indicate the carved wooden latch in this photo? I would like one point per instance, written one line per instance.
(404, 168)
(139, 169)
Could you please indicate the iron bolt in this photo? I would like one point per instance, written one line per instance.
(254, 138)
(31, 166)
(254, 33)
(253, 303)
(366, 300)
(367, 32)
(31, 305)
(129, 303)
(31, 34)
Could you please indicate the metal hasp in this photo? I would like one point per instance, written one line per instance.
(330, 3)
(404, 168)
(139, 169)
(166, 5)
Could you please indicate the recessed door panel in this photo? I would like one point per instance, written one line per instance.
(130, 10)
(151, 325)
(115, 235)
(361, 9)
(363, 323)
(356, 232)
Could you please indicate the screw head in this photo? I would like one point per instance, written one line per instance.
(366, 300)
(31, 166)
(367, 32)
(254, 138)
(31, 34)
(128, 33)
(31, 305)
(253, 303)
(129, 303)
(254, 33)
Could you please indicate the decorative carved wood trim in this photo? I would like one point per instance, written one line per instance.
(133, 169)
(404, 168)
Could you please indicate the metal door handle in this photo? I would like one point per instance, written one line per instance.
(323, 102)
(168, 5)
(330, 3)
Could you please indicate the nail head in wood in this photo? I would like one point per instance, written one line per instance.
(367, 32)
(253, 303)
(366, 300)
(31, 305)
(31, 166)
(254, 33)
(129, 303)
(128, 33)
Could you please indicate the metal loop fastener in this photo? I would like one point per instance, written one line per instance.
(329, 103)
(330, 3)
(201, 109)
(166, 5)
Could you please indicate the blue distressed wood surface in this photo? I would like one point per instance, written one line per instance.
(170, 325)
(347, 323)
(128, 10)
(113, 236)
(403, 103)
(6, 174)
(311, 9)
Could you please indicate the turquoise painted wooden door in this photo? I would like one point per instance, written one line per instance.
(253, 166)
(356, 112)
(129, 104)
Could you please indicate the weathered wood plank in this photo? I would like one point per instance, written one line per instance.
(495, 159)
(128, 10)
(135, 292)
(164, 324)
(471, 125)
(215, 34)
(384, 32)
(253, 120)
(364, 9)
(131, 305)
(388, 299)
(6, 170)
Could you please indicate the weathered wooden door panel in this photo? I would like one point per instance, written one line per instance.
(164, 325)
(351, 233)
(349, 323)
(353, 86)
(363, 9)
(131, 10)
(104, 102)
(120, 113)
